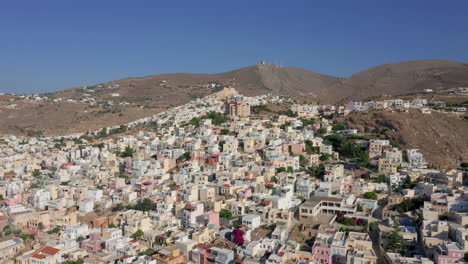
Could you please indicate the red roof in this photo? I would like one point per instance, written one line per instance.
(38, 256)
(189, 207)
(41, 253)
(203, 246)
(50, 250)
(226, 185)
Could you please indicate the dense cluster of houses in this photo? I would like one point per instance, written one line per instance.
(243, 189)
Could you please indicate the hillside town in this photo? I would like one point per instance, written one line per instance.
(230, 179)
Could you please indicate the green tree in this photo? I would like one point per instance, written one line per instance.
(302, 198)
(370, 195)
(53, 231)
(318, 171)
(118, 207)
(144, 205)
(325, 156)
(394, 241)
(309, 146)
(225, 131)
(339, 126)
(464, 165)
(138, 234)
(102, 133)
(226, 214)
(289, 113)
(359, 208)
(147, 252)
(185, 156)
(408, 184)
(128, 152)
(409, 205)
(380, 179)
(79, 239)
(112, 225)
(419, 220)
(36, 173)
(124, 176)
(279, 170)
(40, 226)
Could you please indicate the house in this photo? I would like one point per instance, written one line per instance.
(45, 255)
(10, 248)
(169, 255)
(387, 165)
(317, 206)
(191, 212)
(448, 253)
(252, 221)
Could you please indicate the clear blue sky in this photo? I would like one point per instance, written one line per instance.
(51, 45)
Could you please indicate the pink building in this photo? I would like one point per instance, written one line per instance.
(209, 218)
(449, 253)
(3, 222)
(93, 244)
(15, 199)
(117, 183)
(144, 189)
(316, 127)
(322, 253)
(244, 194)
(39, 222)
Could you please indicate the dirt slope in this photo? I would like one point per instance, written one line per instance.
(404, 78)
(442, 138)
(143, 96)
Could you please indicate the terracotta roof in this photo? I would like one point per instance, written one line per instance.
(189, 207)
(41, 253)
(38, 256)
(203, 246)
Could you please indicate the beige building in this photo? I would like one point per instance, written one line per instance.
(236, 106)
(387, 165)
(318, 206)
(10, 248)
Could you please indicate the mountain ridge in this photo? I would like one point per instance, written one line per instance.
(122, 101)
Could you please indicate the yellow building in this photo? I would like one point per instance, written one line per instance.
(387, 165)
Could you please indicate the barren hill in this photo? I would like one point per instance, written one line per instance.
(404, 78)
(253, 80)
(442, 138)
(124, 100)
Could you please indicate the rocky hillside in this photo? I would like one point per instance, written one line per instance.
(121, 101)
(442, 138)
(404, 78)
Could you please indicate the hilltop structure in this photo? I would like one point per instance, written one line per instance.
(237, 106)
